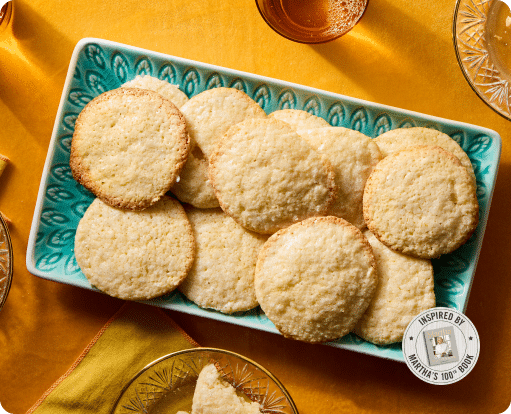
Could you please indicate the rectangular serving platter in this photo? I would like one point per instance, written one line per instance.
(99, 65)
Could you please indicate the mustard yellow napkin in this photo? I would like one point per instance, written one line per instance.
(134, 337)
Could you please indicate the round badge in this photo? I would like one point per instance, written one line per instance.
(441, 346)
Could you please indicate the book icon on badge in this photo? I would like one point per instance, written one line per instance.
(441, 345)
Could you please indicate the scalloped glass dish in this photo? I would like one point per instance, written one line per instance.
(99, 65)
(6, 265)
(482, 40)
(167, 384)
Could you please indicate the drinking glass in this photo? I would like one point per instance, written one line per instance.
(311, 21)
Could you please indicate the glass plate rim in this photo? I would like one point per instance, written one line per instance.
(146, 368)
(10, 270)
(462, 67)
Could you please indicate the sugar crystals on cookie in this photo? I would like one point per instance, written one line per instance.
(128, 147)
(266, 177)
(421, 201)
(135, 255)
(405, 289)
(315, 279)
(222, 275)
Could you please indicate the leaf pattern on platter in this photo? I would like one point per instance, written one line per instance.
(481, 190)
(71, 266)
(451, 285)
(144, 67)
(69, 121)
(120, 67)
(359, 120)
(62, 172)
(79, 98)
(477, 167)
(239, 84)
(383, 124)
(312, 106)
(95, 82)
(407, 123)
(51, 217)
(478, 146)
(287, 100)
(49, 261)
(65, 141)
(214, 81)
(83, 192)
(336, 115)
(95, 53)
(79, 208)
(454, 263)
(447, 303)
(191, 81)
(56, 193)
(262, 96)
(168, 73)
(41, 235)
(61, 238)
(459, 137)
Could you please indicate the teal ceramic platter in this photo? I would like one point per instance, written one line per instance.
(99, 65)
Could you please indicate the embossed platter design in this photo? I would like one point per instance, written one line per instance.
(98, 65)
(169, 383)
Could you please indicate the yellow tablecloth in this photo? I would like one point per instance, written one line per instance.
(400, 54)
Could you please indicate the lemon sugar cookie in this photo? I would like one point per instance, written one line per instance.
(214, 395)
(211, 113)
(353, 155)
(164, 88)
(299, 119)
(405, 289)
(400, 138)
(421, 201)
(208, 116)
(135, 255)
(222, 275)
(128, 147)
(315, 279)
(266, 177)
(193, 185)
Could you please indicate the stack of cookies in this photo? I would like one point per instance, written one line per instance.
(327, 230)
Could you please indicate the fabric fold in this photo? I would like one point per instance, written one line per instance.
(134, 337)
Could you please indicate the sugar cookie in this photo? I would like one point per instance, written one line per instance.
(400, 138)
(135, 255)
(164, 88)
(315, 279)
(299, 119)
(353, 155)
(193, 185)
(266, 177)
(128, 147)
(208, 116)
(211, 113)
(405, 289)
(421, 201)
(214, 395)
(222, 275)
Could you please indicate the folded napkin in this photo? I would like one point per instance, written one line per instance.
(134, 337)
